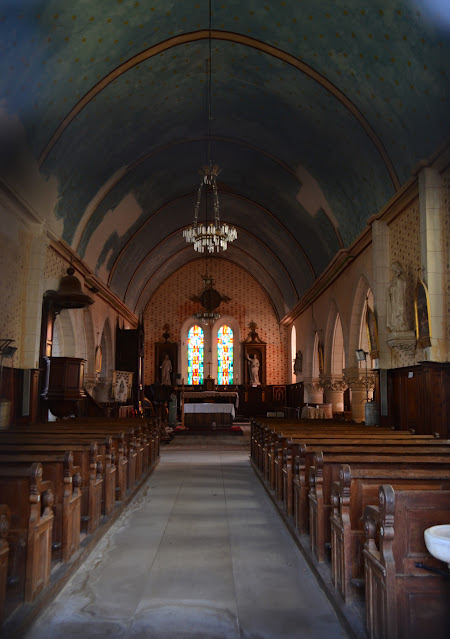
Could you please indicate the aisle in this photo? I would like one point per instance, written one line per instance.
(199, 554)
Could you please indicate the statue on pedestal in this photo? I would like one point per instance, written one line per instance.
(253, 369)
(166, 369)
(396, 307)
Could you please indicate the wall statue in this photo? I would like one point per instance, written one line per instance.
(298, 363)
(396, 307)
(166, 369)
(253, 369)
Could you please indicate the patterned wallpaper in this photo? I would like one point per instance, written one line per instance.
(248, 302)
(446, 207)
(15, 249)
(405, 248)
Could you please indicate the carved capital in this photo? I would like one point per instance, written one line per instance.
(334, 383)
(91, 381)
(356, 378)
(314, 385)
(403, 341)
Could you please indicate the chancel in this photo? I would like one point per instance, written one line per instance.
(225, 317)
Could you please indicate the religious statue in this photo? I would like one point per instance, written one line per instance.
(166, 369)
(253, 369)
(298, 363)
(396, 307)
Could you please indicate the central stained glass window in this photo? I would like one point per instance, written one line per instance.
(196, 341)
(225, 356)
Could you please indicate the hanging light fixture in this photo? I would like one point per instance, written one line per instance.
(215, 235)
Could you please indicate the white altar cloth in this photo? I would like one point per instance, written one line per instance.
(210, 408)
(322, 411)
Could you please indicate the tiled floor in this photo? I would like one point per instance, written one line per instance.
(199, 554)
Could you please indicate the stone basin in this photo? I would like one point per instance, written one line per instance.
(437, 541)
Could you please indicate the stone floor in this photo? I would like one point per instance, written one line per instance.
(199, 554)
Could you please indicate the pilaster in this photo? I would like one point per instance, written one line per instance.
(432, 257)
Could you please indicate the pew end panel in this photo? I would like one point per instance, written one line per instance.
(5, 519)
(404, 600)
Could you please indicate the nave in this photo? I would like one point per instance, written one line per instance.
(199, 553)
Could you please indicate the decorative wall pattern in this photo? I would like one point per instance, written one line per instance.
(446, 209)
(248, 303)
(405, 248)
(15, 246)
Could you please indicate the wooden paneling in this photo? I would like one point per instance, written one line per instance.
(419, 398)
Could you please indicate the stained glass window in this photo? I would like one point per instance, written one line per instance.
(225, 356)
(195, 355)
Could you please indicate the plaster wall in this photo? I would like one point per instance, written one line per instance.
(171, 303)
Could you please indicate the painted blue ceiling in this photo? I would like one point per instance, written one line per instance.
(330, 97)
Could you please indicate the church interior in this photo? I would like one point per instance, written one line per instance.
(227, 223)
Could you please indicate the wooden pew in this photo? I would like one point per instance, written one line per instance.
(66, 480)
(30, 500)
(87, 459)
(326, 470)
(296, 473)
(5, 519)
(356, 489)
(404, 601)
(104, 459)
(118, 450)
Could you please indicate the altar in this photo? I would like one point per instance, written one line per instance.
(204, 414)
(212, 397)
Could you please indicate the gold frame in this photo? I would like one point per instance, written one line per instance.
(372, 333)
(423, 340)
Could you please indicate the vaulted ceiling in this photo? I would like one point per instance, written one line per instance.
(320, 111)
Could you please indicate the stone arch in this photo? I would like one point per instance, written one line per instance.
(357, 334)
(293, 353)
(315, 357)
(338, 349)
(103, 390)
(64, 335)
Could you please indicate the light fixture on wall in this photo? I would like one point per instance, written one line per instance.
(213, 236)
(361, 356)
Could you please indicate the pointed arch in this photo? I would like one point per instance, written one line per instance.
(90, 342)
(358, 333)
(293, 353)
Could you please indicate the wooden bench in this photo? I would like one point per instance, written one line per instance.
(404, 601)
(356, 489)
(296, 473)
(89, 462)
(30, 500)
(117, 449)
(5, 519)
(66, 480)
(326, 470)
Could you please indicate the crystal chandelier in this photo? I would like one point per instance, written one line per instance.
(207, 317)
(212, 236)
(216, 235)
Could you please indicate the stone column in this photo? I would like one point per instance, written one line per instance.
(313, 391)
(334, 392)
(356, 380)
(432, 230)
